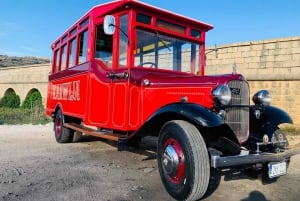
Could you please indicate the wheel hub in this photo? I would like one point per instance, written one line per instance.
(170, 161)
(58, 126)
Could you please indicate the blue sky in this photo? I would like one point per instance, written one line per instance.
(28, 27)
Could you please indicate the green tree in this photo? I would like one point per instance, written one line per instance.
(10, 100)
(33, 100)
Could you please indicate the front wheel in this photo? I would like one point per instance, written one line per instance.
(183, 161)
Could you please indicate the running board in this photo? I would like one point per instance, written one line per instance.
(95, 133)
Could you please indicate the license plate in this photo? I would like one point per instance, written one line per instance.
(277, 169)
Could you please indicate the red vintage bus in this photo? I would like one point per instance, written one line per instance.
(127, 70)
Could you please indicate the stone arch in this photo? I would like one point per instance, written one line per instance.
(29, 94)
(32, 91)
(10, 99)
(8, 91)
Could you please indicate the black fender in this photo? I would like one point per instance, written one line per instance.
(211, 125)
(270, 118)
(194, 113)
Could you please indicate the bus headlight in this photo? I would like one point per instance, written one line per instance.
(222, 94)
(262, 97)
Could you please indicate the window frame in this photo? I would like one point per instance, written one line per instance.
(72, 52)
(85, 44)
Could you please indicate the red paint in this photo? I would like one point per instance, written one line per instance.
(85, 91)
(181, 167)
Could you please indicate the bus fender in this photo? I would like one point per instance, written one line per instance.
(212, 125)
(271, 117)
(216, 133)
(191, 112)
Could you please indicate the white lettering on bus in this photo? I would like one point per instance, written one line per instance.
(66, 91)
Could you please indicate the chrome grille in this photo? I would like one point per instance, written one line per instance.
(237, 112)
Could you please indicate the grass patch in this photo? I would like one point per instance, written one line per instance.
(23, 116)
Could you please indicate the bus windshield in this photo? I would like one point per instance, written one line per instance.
(156, 50)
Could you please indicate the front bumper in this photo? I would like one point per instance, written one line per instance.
(218, 161)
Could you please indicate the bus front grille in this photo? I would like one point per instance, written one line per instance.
(237, 112)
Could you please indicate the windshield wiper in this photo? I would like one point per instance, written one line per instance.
(163, 42)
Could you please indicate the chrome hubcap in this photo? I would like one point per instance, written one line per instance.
(170, 161)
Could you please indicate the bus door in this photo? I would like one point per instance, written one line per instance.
(112, 50)
(100, 104)
(109, 80)
(120, 77)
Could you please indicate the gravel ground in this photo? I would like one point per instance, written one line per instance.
(33, 167)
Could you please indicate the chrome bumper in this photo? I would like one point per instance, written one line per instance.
(218, 161)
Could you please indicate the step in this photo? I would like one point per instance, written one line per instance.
(95, 133)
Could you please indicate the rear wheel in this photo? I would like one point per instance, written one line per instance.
(62, 134)
(183, 161)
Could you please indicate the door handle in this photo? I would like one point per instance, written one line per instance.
(122, 75)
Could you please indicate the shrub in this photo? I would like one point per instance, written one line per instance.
(31, 112)
(10, 100)
(14, 116)
(33, 100)
(23, 116)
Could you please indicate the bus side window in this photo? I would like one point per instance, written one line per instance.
(63, 57)
(83, 39)
(123, 38)
(103, 46)
(72, 52)
(56, 61)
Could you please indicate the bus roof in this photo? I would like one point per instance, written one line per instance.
(115, 5)
(118, 5)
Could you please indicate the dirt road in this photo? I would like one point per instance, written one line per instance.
(33, 167)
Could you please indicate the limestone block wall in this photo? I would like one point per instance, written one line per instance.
(267, 64)
(285, 94)
(22, 79)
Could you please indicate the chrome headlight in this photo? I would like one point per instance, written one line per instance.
(222, 94)
(262, 97)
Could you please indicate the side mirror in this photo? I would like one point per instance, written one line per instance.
(109, 24)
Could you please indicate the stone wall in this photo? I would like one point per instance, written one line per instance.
(267, 64)
(22, 79)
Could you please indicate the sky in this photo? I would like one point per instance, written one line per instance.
(28, 27)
